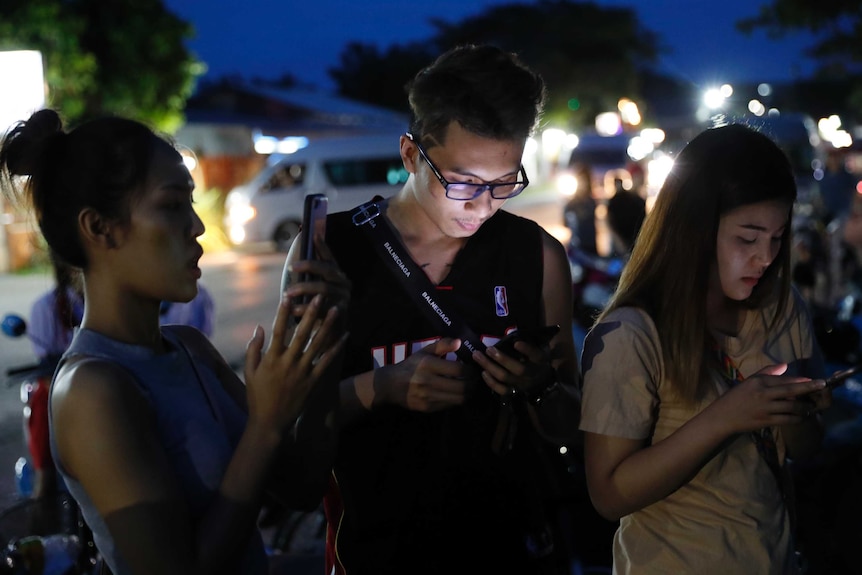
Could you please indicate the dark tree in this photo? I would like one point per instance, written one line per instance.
(837, 24)
(837, 27)
(369, 75)
(107, 56)
(590, 56)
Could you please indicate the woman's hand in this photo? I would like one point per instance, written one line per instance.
(767, 398)
(279, 380)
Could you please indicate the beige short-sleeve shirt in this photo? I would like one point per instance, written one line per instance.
(730, 517)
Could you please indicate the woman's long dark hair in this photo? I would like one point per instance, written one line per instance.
(721, 169)
(66, 278)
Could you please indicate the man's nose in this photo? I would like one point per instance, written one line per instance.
(482, 203)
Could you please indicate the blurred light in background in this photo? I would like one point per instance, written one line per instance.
(22, 90)
(713, 99)
(654, 135)
(639, 148)
(657, 170)
(609, 124)
(553, 142)
(238, 210)
(531, 161)
(566, 184)
(272, 145)
(629, 112)
(830, 130)
(189, 159)
(756, 107)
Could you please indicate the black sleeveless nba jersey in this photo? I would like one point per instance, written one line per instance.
(423, 493)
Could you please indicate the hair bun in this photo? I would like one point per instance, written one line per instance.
(30, 140)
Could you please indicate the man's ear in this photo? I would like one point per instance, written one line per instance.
(95, 229)
(409, 152)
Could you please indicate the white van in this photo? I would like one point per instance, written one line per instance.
(349, 171)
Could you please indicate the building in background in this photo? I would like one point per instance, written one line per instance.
(232, 128)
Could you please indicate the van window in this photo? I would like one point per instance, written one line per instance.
(286, 176)
(363, 172)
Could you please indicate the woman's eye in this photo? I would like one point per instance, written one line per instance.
(176, 206)
(747, 241)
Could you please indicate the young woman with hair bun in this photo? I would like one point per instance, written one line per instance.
(167, 452)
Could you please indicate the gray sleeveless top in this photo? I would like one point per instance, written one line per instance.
(198, 422)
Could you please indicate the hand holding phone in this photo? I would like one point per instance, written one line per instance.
(313, 229)
(537, 336)
(313, 224)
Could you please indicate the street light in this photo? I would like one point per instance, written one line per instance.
(714, 98)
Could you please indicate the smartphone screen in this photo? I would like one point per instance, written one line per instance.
(313, 224)
(313, 227)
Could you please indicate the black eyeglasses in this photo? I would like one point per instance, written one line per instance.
(464, 192)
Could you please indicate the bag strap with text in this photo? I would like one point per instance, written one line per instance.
(425, 294)
(414, 280)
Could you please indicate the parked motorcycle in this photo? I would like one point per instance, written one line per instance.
(33, 381)
(45, 537)
(46, 534)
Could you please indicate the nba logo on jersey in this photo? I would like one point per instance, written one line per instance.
(500, 301)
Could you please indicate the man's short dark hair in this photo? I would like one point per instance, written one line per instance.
(489, 91)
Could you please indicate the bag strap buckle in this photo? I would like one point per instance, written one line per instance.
(365, 213)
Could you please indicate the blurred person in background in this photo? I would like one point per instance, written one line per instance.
(579, 213)
(625, 214)
(837, 188)
(199, 313)
(837, 194)
(698, 374)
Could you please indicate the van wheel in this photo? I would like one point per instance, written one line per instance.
(284, 235)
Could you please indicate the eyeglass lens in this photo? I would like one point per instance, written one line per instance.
(460, 191)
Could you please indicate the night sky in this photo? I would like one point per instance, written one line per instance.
(305, 37)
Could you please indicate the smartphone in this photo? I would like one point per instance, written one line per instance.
(538, 336)
(839, 377)
(313, 224)
(313, 228)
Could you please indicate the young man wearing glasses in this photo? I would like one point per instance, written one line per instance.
(421, 483)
